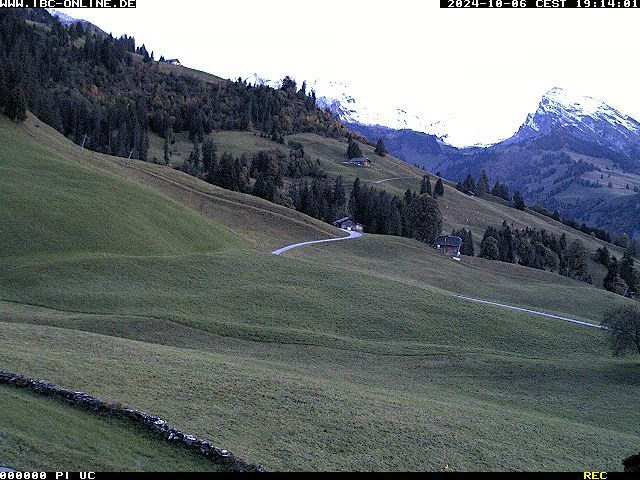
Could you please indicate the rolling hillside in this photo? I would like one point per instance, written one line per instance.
(459, 210)
(350, 356)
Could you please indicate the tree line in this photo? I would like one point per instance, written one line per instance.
(538, 249)
(108, 94)
(622, 277)
(501, 190)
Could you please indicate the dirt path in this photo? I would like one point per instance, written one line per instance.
(535, 312)
(352, 235)
(390, 179)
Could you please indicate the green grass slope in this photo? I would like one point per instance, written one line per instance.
(355, 357)
(41, 434)
(49, 204)
(262, 224)
(416, 264)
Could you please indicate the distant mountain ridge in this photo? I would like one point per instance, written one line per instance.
(574, 154)
(583, 117)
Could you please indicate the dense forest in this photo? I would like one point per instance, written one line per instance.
(540, 249)
(108, 94)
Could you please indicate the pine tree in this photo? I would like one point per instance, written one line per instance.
(612, 281)
(381, 149)
(469, 185)
(209, 155)
(604, 256)
(519, 201)
(626, 270)
(489, 248)
(16, 105)
(623, 241)
(467, 248)
(501, 190)
(193, 165)
(425, 185)
(424, 218)
(353, 150)
(338, 199)
(576, 257)
(438, 190)
(3, 91)
(483, 183)
(168, 148)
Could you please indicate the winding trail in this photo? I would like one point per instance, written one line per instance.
(390, 179)
(352, 235)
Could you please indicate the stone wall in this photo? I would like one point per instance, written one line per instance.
(156, 425)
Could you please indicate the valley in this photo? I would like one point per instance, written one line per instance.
(167, 243)
(575, 154)
(388, 351)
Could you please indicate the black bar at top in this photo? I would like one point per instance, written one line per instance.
(517, 4)
(68, 3)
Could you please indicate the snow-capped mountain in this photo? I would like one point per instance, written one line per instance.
(63, 17)
(584, 117)
(338, 97)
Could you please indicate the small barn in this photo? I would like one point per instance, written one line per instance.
(173, 61)
(347, 223)
(360, 162)
(448, 245)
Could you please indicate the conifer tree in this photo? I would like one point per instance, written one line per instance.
(519, 201)
(16, 105)
(604, 256)
(424, 218)
(469, 185)
(576, 257)
(3, 91)
(612, 281)
(626, 270)
(483, 183)
(338, 198)
(353, 150)
(168, 148)
(209, 155)
(438, 190)
(489, 248)
(381, 149)
(425, 185)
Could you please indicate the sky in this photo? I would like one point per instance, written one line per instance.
(479, 71)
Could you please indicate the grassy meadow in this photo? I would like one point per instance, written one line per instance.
(347, 356)
(42, 434)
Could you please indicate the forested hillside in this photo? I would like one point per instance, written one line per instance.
(108, 94)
